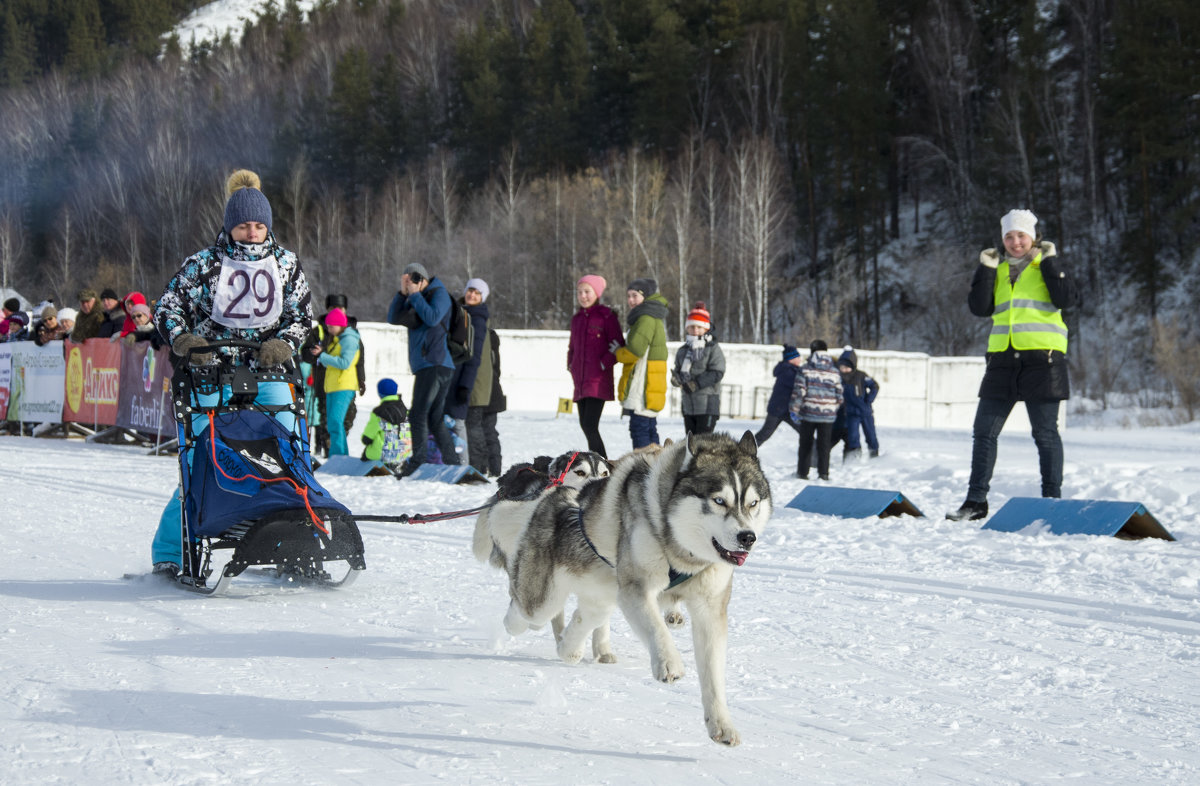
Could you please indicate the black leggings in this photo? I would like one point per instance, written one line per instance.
(590, 410)
(770, 424)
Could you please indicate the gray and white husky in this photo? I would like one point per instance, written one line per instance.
(501, 526)
(661, 529)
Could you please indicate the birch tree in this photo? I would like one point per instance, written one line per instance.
(761, 210)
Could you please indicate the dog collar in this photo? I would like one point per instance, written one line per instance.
(676, 577)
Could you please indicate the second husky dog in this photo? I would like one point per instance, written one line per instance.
(660, 530)
(501, 526)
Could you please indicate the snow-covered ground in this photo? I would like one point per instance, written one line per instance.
(908, 650)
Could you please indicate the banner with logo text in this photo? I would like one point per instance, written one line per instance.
(35, 387)
(144, 396)
(93, 377)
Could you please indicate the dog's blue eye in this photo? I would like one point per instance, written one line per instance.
(719, 500)
(752, 503)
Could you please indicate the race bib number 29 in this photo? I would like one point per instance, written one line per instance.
(248, 294)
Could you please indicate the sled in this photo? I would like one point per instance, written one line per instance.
(247, 493)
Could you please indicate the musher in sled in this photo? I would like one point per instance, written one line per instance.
(244, 287)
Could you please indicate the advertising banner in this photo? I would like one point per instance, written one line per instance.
(93, 375)
(36, 386)
(144, 403)
(5, 378)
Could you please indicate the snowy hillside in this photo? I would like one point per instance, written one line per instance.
(211, 21)
(909, 650)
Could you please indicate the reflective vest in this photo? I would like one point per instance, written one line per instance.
(1025, 317)
(337, 378)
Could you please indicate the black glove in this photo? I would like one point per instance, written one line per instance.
(366, 441)
(274, 352)
(462, 396)
(676, 380)
(189, 341)
(690, 385)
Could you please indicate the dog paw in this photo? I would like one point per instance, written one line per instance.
(606, 657)
(674, 619)
(573, 656)
(514, 623)
(669, 670)
(722, 731)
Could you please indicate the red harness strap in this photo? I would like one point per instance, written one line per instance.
(559, 480)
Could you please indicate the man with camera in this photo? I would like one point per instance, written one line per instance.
(423, 306)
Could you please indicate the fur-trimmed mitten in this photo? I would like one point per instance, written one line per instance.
(186, 342)
(989, 257)
(275, 352)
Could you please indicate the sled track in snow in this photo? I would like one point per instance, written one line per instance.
(20, 479)
(1080, 611)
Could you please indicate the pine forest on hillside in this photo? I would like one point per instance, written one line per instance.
(807, 168)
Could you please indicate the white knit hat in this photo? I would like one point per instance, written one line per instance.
(479, 285)
(1019, 220)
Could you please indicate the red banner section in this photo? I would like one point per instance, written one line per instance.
(98, 383)
(92, 383)
(144, 404)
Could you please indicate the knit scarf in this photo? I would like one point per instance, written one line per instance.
(647, 308)
(1017, 265)
(695, 348)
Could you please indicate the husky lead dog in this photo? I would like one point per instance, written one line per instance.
(660, 530)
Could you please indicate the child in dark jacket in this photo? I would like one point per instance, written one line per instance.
(859, 390)
(699, 369)
(814, 405)
(781, 394)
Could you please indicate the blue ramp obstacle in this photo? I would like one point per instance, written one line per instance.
(448, 473)
(1126, 520)
(853, 503)
(353, 466)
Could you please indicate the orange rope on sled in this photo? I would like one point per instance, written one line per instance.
(302, 491)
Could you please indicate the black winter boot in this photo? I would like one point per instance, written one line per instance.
(971, 511)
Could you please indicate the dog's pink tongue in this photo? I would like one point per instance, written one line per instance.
(739, 557)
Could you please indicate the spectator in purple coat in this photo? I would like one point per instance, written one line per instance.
(595, 336)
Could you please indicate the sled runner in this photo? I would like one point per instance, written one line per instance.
(246, 479)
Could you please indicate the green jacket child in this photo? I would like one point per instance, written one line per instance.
(383, 435)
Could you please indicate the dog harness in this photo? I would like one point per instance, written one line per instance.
(675, 577)
(583, 531)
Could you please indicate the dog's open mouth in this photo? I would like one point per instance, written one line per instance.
(732, 557)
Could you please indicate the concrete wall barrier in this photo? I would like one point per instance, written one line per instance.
(916, 389)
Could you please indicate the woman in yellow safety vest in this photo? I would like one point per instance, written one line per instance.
(1023, 290)
(339, 358)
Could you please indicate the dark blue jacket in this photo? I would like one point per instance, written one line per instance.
(781, 394)
(427, 339)
(858, 389)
